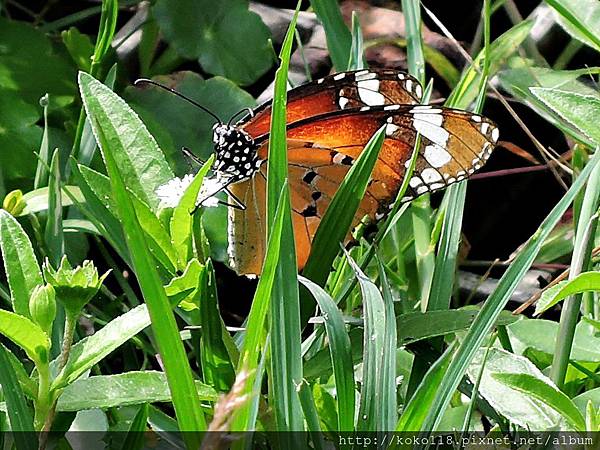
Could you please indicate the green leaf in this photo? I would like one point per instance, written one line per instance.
(135, 438)
(34, 72)
(584, 282)
(230, 41)
(369, 414)
(284, 326)
(415, 412)
(541, 336)
(217, 369)
(357, 58)
(579, 18)
(502, 47)
(254, 339)
(54, 235)
(135, 151)
(130, 388)
(185, 283)
(521, 408)
(339, 38)
(97, 99)
(19, 413)
(19, 133)
(578, 110)
(27, 335)
(158, 239)
(21, 268)
(93, 349)
(340, 354)
(182, 219)
(312, 417)
(542, 389)
(337, 221)
(37, 200)
(80, 48)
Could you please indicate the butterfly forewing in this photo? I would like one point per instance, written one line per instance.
(346, 90)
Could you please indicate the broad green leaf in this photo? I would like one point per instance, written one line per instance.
(130, 388)
(525, 410)
(20, 265)
(135, 151)
(542, 389)
(230, 41)
(19, 413)
(34, 72)
(579, 18)
(92, 349)
(20, 134)
(541, 335)
(593, 396)
(340, 353)
(578, 110)
(26, 334)
(584, 282)
(186, 282)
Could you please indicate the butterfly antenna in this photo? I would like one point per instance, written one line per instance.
(178, 94)
(246, 110)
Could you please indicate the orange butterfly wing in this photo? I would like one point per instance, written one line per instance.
(340, 91)
(322, 149)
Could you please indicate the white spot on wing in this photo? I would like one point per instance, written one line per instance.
(343, 101)
(430, 175)
(418, 91)
(338, 158)
(415, 181)
(365, 75)
(437, 156)
(371, 98)
(495, 134)
(432, 131)
(390, 129)
(339, 76)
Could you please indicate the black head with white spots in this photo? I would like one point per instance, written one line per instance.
(236, 153)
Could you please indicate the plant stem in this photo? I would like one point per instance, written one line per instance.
(70, 322)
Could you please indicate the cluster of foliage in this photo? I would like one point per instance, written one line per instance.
(389, 352)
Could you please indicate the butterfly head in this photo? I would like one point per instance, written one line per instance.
(236, 153)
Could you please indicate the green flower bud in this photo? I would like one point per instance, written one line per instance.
(74, 287)
(13, 202)
(42, 307)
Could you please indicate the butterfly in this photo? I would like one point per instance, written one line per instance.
(329, 122)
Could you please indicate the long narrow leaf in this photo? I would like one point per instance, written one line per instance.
(174, 358)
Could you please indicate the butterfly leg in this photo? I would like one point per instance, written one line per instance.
(187, 152)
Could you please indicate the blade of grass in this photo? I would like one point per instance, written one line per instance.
(312, 417)
(284, 326)
(41, 171)
(53, 234)
(497, 301)
(389, 406)
(369, 414)
(254, 339)
(414, 41)
(339, 38)
(170, 346)
(340, 352)
(357, 59)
